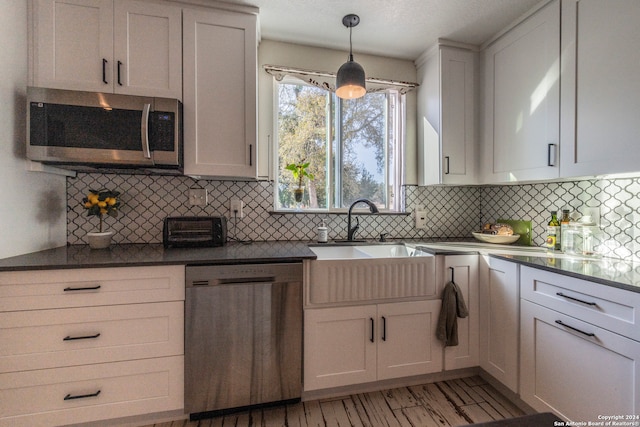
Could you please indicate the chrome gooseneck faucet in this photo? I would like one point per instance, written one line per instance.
(352, 231)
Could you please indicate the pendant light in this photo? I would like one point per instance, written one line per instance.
(350, 77)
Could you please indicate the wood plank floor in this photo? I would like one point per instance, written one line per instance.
(448, 403)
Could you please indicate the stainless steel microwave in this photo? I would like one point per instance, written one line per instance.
(71, 128)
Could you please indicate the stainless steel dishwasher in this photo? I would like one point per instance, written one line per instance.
(243, 337)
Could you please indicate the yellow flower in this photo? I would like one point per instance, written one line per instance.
(101, 202)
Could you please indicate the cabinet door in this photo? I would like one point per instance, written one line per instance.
(522, 101)
(339, 346)
(446, 104)
(457, 116)
(563, 367)
(147, 49)
(406, 339)
(499, 332)
(73, 44)
(463, 269)
(220, 74)
(600, 87)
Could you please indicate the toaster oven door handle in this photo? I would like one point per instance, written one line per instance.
(144, 131)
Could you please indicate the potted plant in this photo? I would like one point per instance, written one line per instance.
(99, 203)
(299, 171)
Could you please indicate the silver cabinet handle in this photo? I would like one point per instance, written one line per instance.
(552, 154)
(144, 131)
(446, 160)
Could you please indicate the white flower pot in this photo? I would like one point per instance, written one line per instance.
(99, 240)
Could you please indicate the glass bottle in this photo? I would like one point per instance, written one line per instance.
(553, 229)
(564, 236)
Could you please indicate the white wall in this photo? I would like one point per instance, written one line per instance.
(320, 59)
(32, 204)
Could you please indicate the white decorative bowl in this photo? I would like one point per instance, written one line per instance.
(99, 240)
(494, 238)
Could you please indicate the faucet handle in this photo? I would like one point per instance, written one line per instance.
(352, 232)
(383, 237)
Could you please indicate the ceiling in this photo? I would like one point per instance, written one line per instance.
(394, 28)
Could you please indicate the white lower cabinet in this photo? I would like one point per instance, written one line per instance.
(366, 343)
(84, 345)
(463, 269)
(80, 394)
(499, 299)
(576, 369)
(580, 354)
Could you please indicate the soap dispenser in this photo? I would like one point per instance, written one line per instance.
(322, 232)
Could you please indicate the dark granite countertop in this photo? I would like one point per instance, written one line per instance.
(607, 271)
(129, 255)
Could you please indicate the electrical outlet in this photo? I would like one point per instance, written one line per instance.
(198, 196)
(236, 208)
(421, 219)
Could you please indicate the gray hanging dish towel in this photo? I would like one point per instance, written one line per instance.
(453, 306)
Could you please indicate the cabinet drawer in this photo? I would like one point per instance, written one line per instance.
(37, 398)
(614, 309)
(575, 369)
(76, 336)
(41, 289)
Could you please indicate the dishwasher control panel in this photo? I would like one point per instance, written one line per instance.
(207, 275)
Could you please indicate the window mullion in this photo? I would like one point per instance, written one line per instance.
(339, 153)
(329, 151)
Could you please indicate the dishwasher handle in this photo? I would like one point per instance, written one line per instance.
(233, 281)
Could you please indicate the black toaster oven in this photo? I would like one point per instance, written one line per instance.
(194, 231)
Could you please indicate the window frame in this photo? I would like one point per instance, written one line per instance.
(394, 180)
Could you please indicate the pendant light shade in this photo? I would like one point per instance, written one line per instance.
(350, 77)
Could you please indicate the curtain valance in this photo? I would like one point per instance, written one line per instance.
(327, 80)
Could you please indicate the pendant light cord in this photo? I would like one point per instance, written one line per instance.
(350, 43)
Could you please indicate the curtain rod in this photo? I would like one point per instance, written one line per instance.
(279, 72)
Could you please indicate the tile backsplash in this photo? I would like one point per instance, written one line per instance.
(452, 211)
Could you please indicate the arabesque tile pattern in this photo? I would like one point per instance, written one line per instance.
(452, 211)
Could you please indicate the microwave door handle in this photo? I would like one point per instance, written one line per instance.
(144, 131)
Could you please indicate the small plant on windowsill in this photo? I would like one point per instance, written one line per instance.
(299, 171)
(99, 203)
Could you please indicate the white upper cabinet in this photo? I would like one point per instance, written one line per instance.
(600, 87)
(220, 75)
(446, 104)
(521, 122)
(148, 49)
(130, 47)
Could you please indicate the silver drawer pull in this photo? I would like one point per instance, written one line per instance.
(560, 294)
(84, 337)
(86, 288)
(81, 396)
(589, 334)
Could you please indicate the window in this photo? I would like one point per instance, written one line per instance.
(353, 147)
